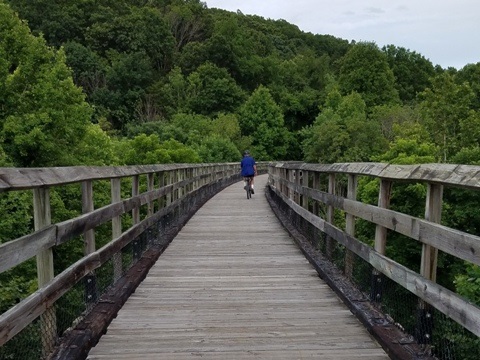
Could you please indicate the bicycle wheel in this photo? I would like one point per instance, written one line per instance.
(249, 191)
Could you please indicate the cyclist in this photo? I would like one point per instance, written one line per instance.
(249, 167)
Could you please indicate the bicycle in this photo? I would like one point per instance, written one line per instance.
(248, 186)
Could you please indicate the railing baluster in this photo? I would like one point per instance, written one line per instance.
(45, 271)
(428, 266)
(116, 227)
(350, 223)
(89, 244)
(376, 290)
(330, 216)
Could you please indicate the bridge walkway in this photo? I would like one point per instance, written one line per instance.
(233, 285)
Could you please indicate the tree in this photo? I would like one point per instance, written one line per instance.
(145, 150)
(188, 21)
(58, 24)
(342, 132)
(217, 149)
(470, 74)
(394, 120)
(365, 70)
(212, 90)
(89, 69)
(446, 108)
(412, 71)
(262, 118)
(127, 77)
(43, 114)
(132, 29)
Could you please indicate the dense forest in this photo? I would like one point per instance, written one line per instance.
(121, 82)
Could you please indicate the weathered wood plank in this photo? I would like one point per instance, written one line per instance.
(467, 176)
(225, 288)
(17, 251)
(454, 242)
(449, 303)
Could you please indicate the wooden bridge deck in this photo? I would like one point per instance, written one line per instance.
(233, 285)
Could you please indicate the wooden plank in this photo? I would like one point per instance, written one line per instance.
(466, 176)
(19, 250)
(383, 203)
(225, 288)
(29, 178)
(455, 242)
(87, 207)
(433, 213)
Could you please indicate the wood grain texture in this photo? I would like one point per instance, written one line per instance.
(233, 285)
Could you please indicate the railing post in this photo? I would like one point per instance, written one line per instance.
(136, 246)
(89, 244)
(161, 184)
(304, 182)
(350, 224)
(376, 290)
(150, 187)
(45, 271)
(428, 266)
(169, 178)
(316, 207)
(116, 227)
(330, 216)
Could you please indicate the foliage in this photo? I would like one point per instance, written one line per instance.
(364, 69)
(446, 108)
(468, 284)
(42, 113)
(342, 132)
(412, 71)
(217, 149)
(262, 118)
(212, 90)
(145, 149)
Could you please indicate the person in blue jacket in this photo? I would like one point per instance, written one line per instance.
(249, 167)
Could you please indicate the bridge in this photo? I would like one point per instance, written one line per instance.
(178, 264)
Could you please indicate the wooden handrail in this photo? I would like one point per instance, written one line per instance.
(427, 231)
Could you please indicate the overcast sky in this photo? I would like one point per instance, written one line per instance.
(447, 32)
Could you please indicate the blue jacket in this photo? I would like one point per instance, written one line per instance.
(247, 164)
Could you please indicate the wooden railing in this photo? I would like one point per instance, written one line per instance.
(167, 190)
(305, 187)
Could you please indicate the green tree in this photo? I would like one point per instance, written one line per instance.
(470, 74)
(89, 69)
(132, 29)
(365, 70)
(217, 149)
(412, 71)
(342, 132)
(58, 23)
(212, 90)
(43, 114)
(145, 150)
(188, 21)
(262, 118)
(127, 77)
(97, 148)
(395, 120)
(446, 108)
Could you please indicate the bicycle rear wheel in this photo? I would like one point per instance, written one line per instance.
(248, 187)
